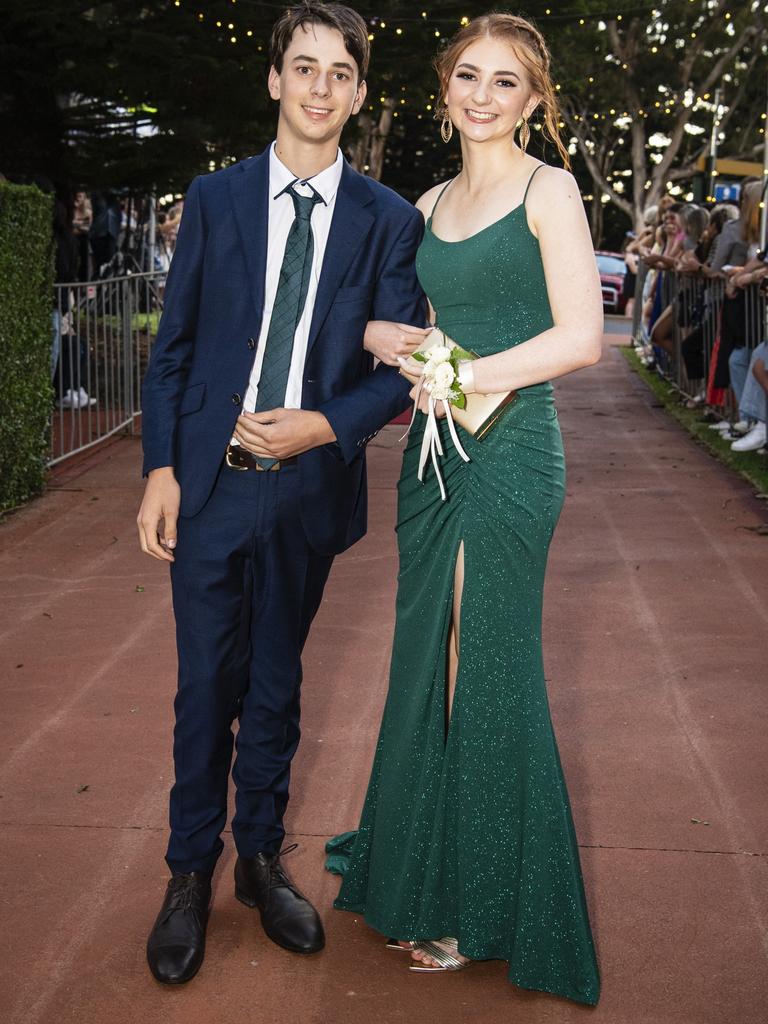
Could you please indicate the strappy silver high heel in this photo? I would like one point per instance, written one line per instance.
(446, 959)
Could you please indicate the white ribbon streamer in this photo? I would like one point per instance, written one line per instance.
(431, 445)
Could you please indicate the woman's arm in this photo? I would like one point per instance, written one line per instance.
(753, 272)
(556, 216)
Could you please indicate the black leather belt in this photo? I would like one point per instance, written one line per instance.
(241, 459)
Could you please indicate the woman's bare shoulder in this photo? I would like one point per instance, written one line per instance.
(427, 201)
(554, 183)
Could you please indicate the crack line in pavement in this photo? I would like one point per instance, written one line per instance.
(329, 835)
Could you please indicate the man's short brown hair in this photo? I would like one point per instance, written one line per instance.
(353, 29)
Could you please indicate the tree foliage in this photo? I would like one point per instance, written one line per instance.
(145, 96)
(123, 95)
(639, 91)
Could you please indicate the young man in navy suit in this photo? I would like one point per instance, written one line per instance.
(258, 404)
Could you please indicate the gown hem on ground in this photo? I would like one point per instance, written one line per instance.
(394, 930)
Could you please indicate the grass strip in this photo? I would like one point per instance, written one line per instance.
(750, 465)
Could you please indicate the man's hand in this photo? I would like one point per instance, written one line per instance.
(162, 497)
(388, 341)
(281, 433)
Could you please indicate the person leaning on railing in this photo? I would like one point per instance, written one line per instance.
(694, 264)
(632, 250)
(753, 401)
(737, 250)
(658, 307)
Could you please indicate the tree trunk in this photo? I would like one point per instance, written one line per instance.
(596, 213)
(358, 154)
(367, 154)
(379, 140)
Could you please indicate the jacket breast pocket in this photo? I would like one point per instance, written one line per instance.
(353, 293)
(192, 399)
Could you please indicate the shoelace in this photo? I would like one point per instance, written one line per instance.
(277, 875)
(182, 890)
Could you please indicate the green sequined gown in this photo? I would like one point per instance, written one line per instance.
(468, 832)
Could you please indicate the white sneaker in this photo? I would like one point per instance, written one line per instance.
(76, 400)
(84, 400)
(722, 426)
(740, 427)
(752, 440)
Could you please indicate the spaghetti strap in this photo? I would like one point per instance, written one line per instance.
(535, 169)
(442, 193)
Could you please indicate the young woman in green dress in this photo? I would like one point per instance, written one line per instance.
(466, 848)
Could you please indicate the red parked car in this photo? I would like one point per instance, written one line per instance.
(612, 269)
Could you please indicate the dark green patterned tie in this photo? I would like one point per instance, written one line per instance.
(291, 295)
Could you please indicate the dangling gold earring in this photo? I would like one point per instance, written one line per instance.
(525, 135)
(446, 128)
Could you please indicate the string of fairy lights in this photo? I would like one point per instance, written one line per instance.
(653, 8)
(236, 29)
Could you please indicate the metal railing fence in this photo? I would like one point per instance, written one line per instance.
(102, 336)
(697, 306)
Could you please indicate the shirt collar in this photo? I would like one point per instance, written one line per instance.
(326, 183)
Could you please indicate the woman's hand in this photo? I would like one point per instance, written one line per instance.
(411, 369)
(423, 403)
(388, 341)
(688, 264)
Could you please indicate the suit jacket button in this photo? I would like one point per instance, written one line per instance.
(251, 343)
(236, 399)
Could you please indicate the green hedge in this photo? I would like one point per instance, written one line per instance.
(26, 304)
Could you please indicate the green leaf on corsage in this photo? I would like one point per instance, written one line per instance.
(419, 357)
(462, 354)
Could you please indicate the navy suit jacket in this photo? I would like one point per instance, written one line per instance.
(204, 351)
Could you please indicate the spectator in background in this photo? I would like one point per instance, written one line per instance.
(658, 308)
(695, 263)
(163, 255)
(630, 275)
(737, 243)
(665, 203)
(632, 249)
(695, 221)
(65, 268)
(82, 218)
(170, 226)
(68, 355)
(719, 216)
(105, 230)
(754, 402)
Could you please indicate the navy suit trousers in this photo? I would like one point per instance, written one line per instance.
(246, 586)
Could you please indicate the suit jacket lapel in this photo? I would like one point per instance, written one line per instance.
(249, 191)
(349, 228)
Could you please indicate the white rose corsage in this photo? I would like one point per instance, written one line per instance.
(440, 378)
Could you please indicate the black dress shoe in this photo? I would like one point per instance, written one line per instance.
(176, 944)
(288, 918)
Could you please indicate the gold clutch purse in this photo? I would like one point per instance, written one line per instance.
(481, 411)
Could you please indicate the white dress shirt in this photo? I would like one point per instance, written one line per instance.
(281, 217)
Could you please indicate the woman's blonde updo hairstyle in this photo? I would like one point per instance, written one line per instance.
(530, 49)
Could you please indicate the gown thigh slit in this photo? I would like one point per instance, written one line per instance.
(466, 828)
(453, 652)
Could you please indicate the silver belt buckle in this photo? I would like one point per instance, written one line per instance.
(234, 465)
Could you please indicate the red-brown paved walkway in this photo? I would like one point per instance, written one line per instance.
(656, 628)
